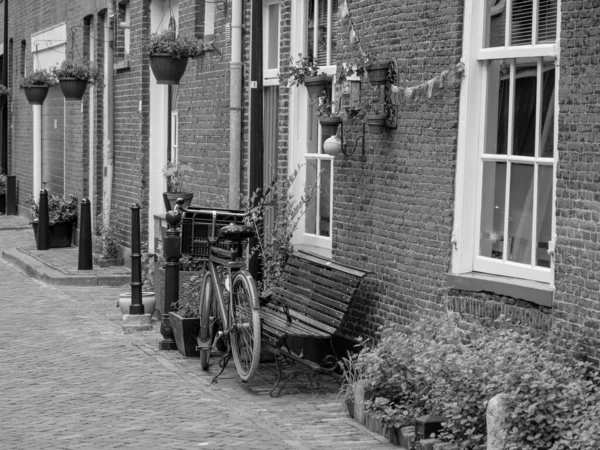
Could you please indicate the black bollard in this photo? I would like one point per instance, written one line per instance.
(172, 253)
(85, 237)
(43, 241)
(11, 195)
(136, 307)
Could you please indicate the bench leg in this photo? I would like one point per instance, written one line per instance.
(281, 381)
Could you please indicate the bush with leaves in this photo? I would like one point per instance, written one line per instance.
(60, 209)
(552, 397)
(107, 243)
(296, 72)
(275, 237)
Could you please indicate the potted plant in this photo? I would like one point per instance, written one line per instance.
(185, 312)
(378, 72)
(74, 77)
(175, 172)
(36, 85)
(62, 215)
(304, 71)
(328, 117)
(169, 54)
(2, 192)
(106, 248)
(4, 93)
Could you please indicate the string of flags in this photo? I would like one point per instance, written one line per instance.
(345, 12)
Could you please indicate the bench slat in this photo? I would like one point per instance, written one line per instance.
(312, 299)
(278, 321)
(304, 304)
(323, 325)
(324, 262)
(336, 292)
(339, 280)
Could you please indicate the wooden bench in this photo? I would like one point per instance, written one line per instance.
(310, 302)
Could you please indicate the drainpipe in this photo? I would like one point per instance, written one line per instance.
(235, 105)
(108, 149)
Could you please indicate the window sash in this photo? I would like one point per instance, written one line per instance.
(271, 40)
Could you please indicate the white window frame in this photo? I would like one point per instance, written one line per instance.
(174, 135)
(270, 76)
(470, 149)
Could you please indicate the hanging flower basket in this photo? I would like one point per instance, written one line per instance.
(166, 69)
(36, 94)
(316, 85)
(73, 88)
(378, 73)
(376, 122)
(329, 125)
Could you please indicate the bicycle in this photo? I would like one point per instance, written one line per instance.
(229, 306)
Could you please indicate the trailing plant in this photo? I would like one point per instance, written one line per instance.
(325, 108)
(275, 239)
(85, 71)
(295, 73)
(60, 209)
(176, 46)
(175, 173)
(2, 182)
(350, 68)
(42, 77)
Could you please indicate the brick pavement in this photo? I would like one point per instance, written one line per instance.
(72, 379)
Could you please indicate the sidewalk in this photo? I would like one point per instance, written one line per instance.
(72, 379)
(57, 266)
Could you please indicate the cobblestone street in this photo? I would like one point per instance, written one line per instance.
(72, 379)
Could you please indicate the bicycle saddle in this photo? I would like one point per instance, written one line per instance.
(235, 232)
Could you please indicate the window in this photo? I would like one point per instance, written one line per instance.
(271, 39)
(23, 52)
(209, 21)
(507, 140)
(124, 30)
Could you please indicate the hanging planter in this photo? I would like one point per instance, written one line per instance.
(36, 85)
(74, 77)
(329, 125)
(376, 123)
(167, 70)
(316, 85)
(378, 73)
(169, 54)
(72, 88)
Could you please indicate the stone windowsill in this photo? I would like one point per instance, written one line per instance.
(532, 291)
(121, 65)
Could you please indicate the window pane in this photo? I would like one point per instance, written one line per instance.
(496, 16)
(522, 20)
(492, 210)
(547, 21)
(544, 215)
(317, 45)
(547, 126)
(273, 42)
(498, 86)
(311, 210)
(520, 213)
(324, 198)
(525, 108)
(312, 128)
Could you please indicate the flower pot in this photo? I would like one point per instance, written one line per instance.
(329, 126)
(376, 122)
(36, 94)
(316, 86)
(378, 73)
(148, 300)
(185, 331)
(61, 234)
(171, 197)
(73, 88)
(167, 70)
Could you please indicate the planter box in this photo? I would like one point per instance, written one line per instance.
(61, 234)
(185, 332)
(105, 262)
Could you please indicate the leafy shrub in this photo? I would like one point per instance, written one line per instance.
(177, 46)
(107, 243)
(42, 77)
(86, 71)
(295, 73)
(2, 182)
(60, 209)
(552, 398)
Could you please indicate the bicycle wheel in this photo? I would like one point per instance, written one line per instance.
(245, 325)
(207, 320)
